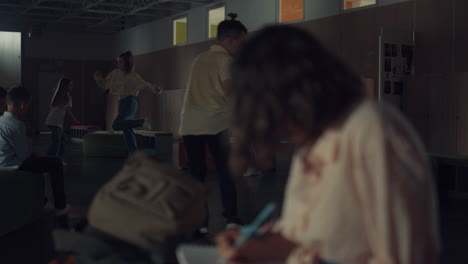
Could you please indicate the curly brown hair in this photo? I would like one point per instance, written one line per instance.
(283, 75)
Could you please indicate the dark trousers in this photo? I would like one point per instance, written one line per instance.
(53, 166)
(57, 147)
(123, 122)
(218, 146)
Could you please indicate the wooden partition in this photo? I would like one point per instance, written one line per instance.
(89, 101)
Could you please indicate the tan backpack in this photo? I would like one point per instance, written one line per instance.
(149, 202)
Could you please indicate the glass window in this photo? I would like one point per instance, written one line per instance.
(215, 16)
(180, 31)
(350, 4)
(291, 10)
(10, 58)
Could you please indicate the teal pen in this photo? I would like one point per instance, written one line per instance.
(252, 229)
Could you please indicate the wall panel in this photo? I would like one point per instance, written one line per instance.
(461, 82)
(460, 41)
(360, 42)
(88, 100)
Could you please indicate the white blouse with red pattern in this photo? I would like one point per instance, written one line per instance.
(363, 193)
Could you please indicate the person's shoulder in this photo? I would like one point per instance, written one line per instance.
(204, 56)
(224, 58)
(372, 119)
(220, 54)
(134, 75)
(367, 118)
(205, 60)
(221, 60)
(7, 118)
(383, 114)
(10, 124)
(115, 72)
(371, 112)
(214, 53)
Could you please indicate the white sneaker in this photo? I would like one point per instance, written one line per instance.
(203, 230)
(233, 223)
(251, 171)
(201, 233)
(232, 226)
(63, 211)
(147, 124)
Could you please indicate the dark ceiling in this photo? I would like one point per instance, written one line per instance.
(103, 16)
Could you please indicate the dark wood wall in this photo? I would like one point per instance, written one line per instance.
(435, 100)
(89, 102)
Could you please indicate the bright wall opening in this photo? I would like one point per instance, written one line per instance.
(215, 16)
(180, 31)
(350, 4)
(10, 58)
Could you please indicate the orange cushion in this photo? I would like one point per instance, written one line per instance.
(68, 260)
(86, 127)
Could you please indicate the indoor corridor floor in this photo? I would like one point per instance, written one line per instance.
(84, 177)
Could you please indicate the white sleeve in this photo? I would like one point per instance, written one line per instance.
(395, 188)
(106, 83)
(141, 84)
(224, 68)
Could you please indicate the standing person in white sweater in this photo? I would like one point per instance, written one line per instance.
(360, 189)
(127, 85)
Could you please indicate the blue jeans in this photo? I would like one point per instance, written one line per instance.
(57, 147)
(123, 122)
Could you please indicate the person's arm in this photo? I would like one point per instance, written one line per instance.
(21, 143)
(69, 112)
(224, 74)
(156, 89)
(72, 116)
(101, 80)
(142, 84)
(272, 247)
(395, 190)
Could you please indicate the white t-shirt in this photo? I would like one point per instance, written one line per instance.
(204, 108)
(57, 115)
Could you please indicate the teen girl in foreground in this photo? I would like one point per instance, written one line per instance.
(360, 189)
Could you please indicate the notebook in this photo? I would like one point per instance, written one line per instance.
(199, 254)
